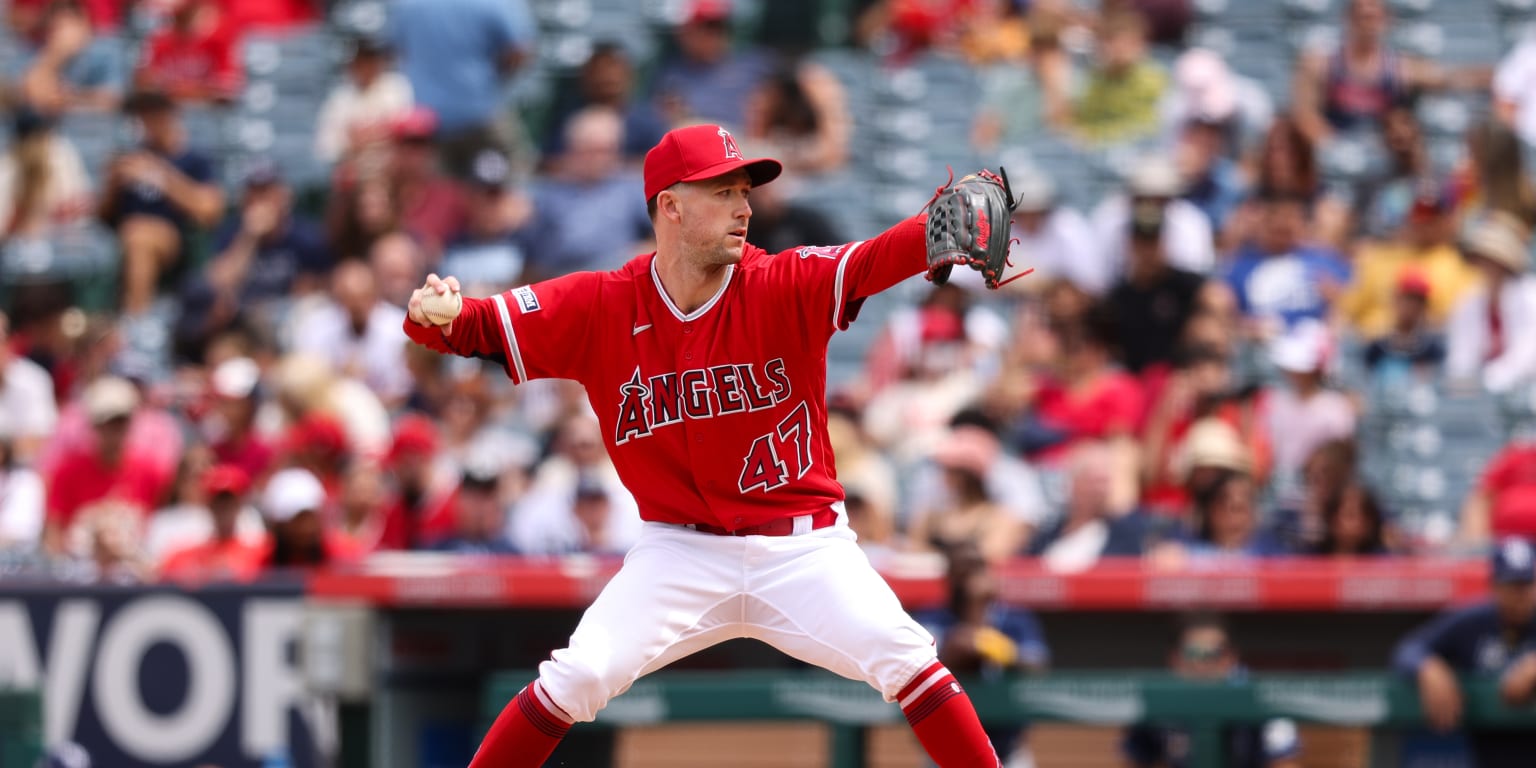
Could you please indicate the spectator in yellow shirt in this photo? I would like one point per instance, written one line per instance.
(1426, 246)
(1120, 100)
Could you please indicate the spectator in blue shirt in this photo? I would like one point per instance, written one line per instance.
(590, 213)
(979, 636)
(1494, 637)
(457, 55)
(707, 81)
(155, 196)
(479, 516)
(265, 254)
(1205, 652)
(1279, 279)
(1226, 524)
(69, 69)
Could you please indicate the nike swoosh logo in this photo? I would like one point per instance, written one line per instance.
(640, 328)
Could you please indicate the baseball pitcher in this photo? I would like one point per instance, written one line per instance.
(706, 364)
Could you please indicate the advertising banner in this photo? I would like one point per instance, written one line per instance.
(156, 676)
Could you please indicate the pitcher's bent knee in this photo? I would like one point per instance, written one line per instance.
(905, 654)
(578, 688)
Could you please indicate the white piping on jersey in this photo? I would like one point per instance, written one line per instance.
(837, 301)
(510, 336)
(730, 269)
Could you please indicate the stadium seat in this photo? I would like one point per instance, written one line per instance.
(1308, 9)
(1411, 8)
(1516, 8)
(352, 17)
(1211, 9)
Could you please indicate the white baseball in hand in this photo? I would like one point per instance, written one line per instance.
(441, 308)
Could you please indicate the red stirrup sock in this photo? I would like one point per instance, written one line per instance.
(945, 722)
(524, 734)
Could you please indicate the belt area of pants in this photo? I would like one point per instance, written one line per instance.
(784, 526)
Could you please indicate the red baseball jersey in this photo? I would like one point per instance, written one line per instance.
(714, 416)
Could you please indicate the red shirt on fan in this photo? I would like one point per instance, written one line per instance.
(716, 416)
(1112, 405)
(193, 64)
(1510, 483)
(80, 479)
(433, 521)
(232, 560)
(271, 14)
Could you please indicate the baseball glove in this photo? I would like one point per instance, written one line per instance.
(968, 225)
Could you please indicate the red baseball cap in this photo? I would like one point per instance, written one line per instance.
(319, 433)
(415, 123)
(225, 478)
(1413, 284)
(701, 152)
(413, 434)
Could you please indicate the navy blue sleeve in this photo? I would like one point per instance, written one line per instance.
(196, 166)
(313, 252)
(1432, 353)
(1452, 636)
(226, 233)
(1023, 628)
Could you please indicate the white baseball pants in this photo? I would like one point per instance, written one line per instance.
(813, 596)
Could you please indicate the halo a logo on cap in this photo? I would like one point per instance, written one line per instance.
(731, 152)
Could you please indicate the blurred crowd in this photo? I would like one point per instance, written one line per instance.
(1182, 379)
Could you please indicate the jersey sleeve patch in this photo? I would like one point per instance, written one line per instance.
(527, 301)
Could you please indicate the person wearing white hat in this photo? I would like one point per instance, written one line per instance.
(1186, 234)
(1488, 338)
(229, 427)
(292, 503)
(102, 469)
(1304, 413)
(1052, 237)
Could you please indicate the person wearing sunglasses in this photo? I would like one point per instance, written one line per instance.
(1204, 653)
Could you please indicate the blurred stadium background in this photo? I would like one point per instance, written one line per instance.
(1181, 497)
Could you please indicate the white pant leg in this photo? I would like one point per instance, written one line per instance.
(678, 593)
(817, 598)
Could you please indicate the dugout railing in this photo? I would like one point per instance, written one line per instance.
(1355, 700)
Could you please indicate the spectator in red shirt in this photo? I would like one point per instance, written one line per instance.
(292, 503)
(101, 471)
(224, 556)
(421, 510)
(1504, 502)
(230, 426)
(1087, 398)
(273, 14)
(1201, 386)
(318, 444)
(195, 57)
